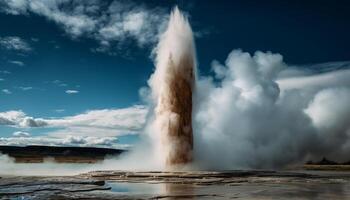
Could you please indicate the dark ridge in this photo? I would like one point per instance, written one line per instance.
(325, 161)
(35, 154)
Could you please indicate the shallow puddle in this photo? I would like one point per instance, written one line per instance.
(243, 191)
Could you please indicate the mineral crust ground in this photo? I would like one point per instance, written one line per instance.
(181, 185)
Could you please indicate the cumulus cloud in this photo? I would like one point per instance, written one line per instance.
(24, 139)
(108, 121)
(14, 43)
(93, 128)
(20, 119)
(251, 117)
(107, 22)
(72, 91)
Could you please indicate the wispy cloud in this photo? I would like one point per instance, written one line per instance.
(5, 72)
(1, 79)
(72, 91)
(59, 110)
(6, 91)
(60, 83)
(21, 134)
(16, 62)
(34, 39)
(24, 88)
(14, 43)
(107, 22)
(114, 121)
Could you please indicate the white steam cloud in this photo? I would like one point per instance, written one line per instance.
(252, 120)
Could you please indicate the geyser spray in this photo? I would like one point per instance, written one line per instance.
(172, 86)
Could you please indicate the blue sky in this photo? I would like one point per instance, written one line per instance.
(67, 59)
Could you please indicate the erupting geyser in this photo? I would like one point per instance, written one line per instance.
(172, 86)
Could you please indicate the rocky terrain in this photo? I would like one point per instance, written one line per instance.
(181, 185)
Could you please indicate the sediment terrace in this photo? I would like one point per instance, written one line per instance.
(181, 185)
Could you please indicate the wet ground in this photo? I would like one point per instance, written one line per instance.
(181, 185)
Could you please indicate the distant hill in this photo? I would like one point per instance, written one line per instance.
(327, 165)
(325, 161)
(37, 154)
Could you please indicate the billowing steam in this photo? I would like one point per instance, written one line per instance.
(172, 87)
(254, 112)
(246, 117)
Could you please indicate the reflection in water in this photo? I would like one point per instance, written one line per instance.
(254, 191)
(163, 189)
(136, 188)
(182, 190)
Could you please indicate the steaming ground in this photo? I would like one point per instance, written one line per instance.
(255, 111)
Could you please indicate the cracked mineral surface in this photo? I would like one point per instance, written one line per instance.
(181, 185)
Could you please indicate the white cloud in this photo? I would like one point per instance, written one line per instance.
(22, 139)
(72, 91)
(129, 119)
(25, 88)
(21, 134)
(59, 110)
(56, 81)
(5, 72)
(107, 22)
(20, 119)
(14, 43)
(1, 79)
(60, 83)
(6, 91)
(89, 131)
(108, 121)
(16, 62)
(35, 39)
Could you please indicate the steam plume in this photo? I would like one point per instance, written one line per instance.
(251, 118)
(172, 87)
